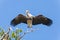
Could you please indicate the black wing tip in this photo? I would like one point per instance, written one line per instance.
(49, 22)
(13, 23)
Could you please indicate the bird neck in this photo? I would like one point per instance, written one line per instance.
(27, 14)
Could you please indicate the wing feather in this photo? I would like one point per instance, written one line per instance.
(19, 19)
(40, 19)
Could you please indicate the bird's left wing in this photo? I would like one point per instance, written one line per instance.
(36, 20)
(19, 19)
(40, 19)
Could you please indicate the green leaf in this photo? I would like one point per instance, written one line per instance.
(2, 32)
(16, 38)
(20, 30)
(9, 39)
(17, 31)
(13, 35)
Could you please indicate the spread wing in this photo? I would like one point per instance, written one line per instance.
(40, 19)
(19, 19)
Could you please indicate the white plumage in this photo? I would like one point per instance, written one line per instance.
(28, 15)
(29, 21)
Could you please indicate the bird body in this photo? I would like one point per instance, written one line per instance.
(31, 20)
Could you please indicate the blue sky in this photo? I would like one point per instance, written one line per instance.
(49, 8)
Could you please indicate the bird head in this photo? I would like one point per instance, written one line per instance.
(27, 12)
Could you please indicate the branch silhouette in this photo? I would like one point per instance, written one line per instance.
(16, 34)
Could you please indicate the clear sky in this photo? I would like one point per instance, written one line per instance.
(49, 8)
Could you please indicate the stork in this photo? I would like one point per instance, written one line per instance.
(31, 20)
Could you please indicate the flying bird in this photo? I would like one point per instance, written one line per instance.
(31, 20)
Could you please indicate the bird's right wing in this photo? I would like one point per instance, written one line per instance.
(19, 19)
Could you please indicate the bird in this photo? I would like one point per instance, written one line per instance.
(30, 20)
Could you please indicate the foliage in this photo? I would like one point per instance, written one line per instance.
(14, 34)
(1, 31)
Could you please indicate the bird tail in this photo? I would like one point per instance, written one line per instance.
(29, 22)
